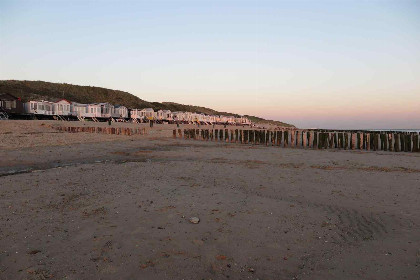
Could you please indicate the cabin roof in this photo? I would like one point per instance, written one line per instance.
(62, 99)
(8, 96)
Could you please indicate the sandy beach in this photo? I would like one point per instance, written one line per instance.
(94, 206)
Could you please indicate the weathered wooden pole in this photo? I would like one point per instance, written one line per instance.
(408, 142)
(384, 142)
(279, 137)
(373, 141)
(325, 143)
(339, 141)
(330, 140)
(402, 142)
(397, 142)
(364, 141)
(262, 137)
(267, 137)
(368, 141)
(346, 140)
(416, 143)
(292, 138)
(390, 141)
(353, 141)
(299, 139)
(311, 139)
(321, 140)
(304, 139)
(358, 141)
(315, 140)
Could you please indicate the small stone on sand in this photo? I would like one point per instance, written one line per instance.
(194, 220)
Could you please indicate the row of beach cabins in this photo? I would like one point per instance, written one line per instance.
(66, 110)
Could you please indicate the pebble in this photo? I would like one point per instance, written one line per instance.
(194, 220)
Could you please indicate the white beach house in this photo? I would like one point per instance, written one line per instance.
(39, 107)
(62, 108)
(120, 112)
(148, 113)
(106, 110)
(135, 114)
(85, 110)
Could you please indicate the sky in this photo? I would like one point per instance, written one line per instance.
(323, 64)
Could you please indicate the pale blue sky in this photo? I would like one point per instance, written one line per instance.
(349, 64)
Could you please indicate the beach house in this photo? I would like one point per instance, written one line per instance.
(106, 110)
(11, 104)
(41, 107)
(85, 110)
(148, 113)
(120, 112)
(135, 114)
(62, 107)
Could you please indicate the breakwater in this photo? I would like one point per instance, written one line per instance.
(395, 141)
(104, 130)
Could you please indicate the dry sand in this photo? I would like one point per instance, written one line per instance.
(90, 206)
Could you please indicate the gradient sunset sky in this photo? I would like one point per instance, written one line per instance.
(326, 64)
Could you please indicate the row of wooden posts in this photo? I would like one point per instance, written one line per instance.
(103, 130)
(354, 140)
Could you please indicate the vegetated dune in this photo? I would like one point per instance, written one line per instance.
(30, 90)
